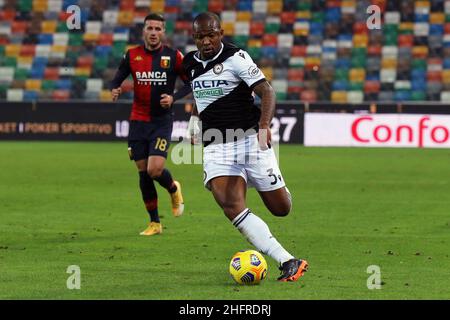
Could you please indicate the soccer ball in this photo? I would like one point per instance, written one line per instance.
(248, 267)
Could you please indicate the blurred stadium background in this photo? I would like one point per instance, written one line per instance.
(310, 50)
(319, 56)
(337, 83)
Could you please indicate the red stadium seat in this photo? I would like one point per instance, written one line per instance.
(63, 16)
(308, 96)
(105, 39)
(127, 5)
(51, 74)
(447, 28)
(19, 26)
(380, 3)
(61, 95)
(270, 40)
(183, 26)
(7, 15)
(171, 9)
(405, 40)
(85, 61)
(288, 17)
(436, 61)
(360, 28)
(28, 50)
(374, 50)
(372, 86)
(296, 74)
(296, 89)
(435, 76)
(215, 6)
(334, 3)
(257, 28)
(299, 51)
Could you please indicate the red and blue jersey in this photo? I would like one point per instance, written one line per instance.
(154, 73)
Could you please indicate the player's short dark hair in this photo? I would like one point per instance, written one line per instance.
(154, 16)
(207, 16)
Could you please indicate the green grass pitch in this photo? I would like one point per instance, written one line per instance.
(79, 204)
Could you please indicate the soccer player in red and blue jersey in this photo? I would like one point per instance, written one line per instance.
(154, 68)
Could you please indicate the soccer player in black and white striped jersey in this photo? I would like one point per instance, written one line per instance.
(223, 79)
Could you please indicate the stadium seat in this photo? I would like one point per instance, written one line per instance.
(308, 96)
(324, 43)
(15, 95)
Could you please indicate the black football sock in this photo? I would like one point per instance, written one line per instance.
(149, 195)
(166, 181)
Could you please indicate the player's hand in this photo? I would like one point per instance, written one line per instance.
(193, 131)
(264, 137)
(115, 93)
(166, 101)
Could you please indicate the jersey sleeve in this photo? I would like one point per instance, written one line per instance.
(122, 72)
(179, 67)
(246, 69)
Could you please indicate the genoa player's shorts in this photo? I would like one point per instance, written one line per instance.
(149, 138)
(243, 158)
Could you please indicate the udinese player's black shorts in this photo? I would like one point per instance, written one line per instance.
(149, 138)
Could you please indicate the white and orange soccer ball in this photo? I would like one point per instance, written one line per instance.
(248, 267)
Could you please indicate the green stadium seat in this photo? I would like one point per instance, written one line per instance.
(325, 39)
(241, 41)
(21, 74)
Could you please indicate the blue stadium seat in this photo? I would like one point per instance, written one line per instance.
(333, 14)
(343, 63)
(446, 63)
(418, 74)
(67, 3)
(64, 84)
(372, 77)
(39, 62)
(340, 85)
(402, 95)
(421, 17)
(102, 50)
(173, 3)
(37, 72)
(246, 5)
(30, 95)
(269, 52)
(436, 29)
(418, 84)
(316, 28)
(45, 38)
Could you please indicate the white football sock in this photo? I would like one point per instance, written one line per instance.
(258, 234)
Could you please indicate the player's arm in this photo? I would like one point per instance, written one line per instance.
(122, 73)
(249, 72)
(166, 99)
(193, 126)
(265, 91)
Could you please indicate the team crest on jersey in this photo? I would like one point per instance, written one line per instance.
(138, 58)
(218, 68)
(165, 62)
(253, 71)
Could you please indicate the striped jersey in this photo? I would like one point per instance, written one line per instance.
(223, 88)
(154, 73)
